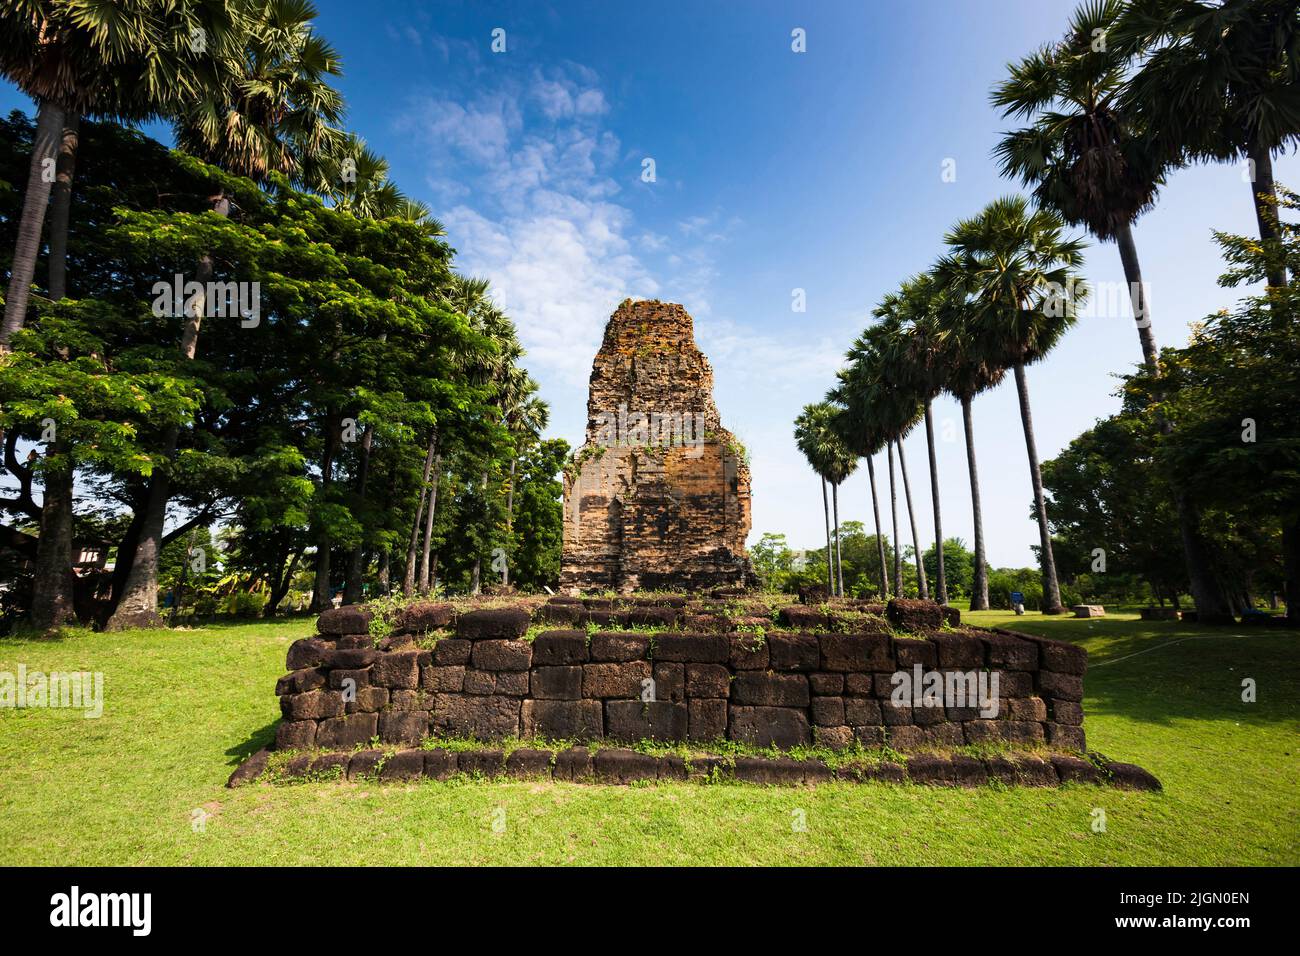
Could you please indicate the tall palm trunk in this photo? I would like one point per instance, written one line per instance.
(979, 596)
(45, 147)
(52, 594)
(476, 579)
(880, 538)
(839, 555)
(1211, 602)
(830, 555)
(1138, 295)
(54, 584)
(923, 586)
(942, 583)
(61, 205)
(1051, 589)
(408, 583)
(893, 509)
(1263, 195)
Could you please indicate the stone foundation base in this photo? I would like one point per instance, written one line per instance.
(618, 766)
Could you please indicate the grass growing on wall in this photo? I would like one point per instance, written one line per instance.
(183, 707)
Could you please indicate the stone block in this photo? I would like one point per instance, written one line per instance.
(692, 648)
(347, 731)
(770, 690)
(856, 652)
(295, 735)
(707, 719)
(633, 720)
(452, 651)
(794, 652)
(783, 727)
(614, 680)
(484, 718)
(557, 683)
(563, 719)
(344, 620)
(553, 648)
(707, 680)
(748, 652)
(498, 655)
(504, 623)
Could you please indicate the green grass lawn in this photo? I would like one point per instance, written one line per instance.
(182, 708)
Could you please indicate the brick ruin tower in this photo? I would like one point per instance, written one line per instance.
(657, 498)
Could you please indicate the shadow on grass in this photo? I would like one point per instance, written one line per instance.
(1162, 671)
(262, 737)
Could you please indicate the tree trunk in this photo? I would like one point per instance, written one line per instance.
(1291, 564)
(942, 583)
(426, 569)
(1207, 593)
(281, 587)
(54, 584)
(510, 520)
(839, 555)
(979, 596)
(180, 584)
(52, 594)
(1263, 195)
(409, 580)
(139, 604)
(830, 555)
(1051, 589)
(381, 573)
(45, 147)
(61, 206)
(352, 587)
(922, 584)
(893, 510)
(1138, 296)
(321, 597)
(880, 539)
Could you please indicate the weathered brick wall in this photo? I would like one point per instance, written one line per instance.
(819, 675)
(640, 514)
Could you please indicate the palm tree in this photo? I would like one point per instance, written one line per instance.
(131, 60)
(856, 428)
(897, 388)
(1019, 272)
(965, 372)
(1089, 159)
(1218, 81)
(815, 438)
(1085, 157)
(269, 111)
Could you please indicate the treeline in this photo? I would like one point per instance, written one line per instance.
(259, 332)
(1193, 487)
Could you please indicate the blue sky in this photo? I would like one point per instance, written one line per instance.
(775, 170)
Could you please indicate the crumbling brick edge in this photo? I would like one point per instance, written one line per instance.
(619, 766)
